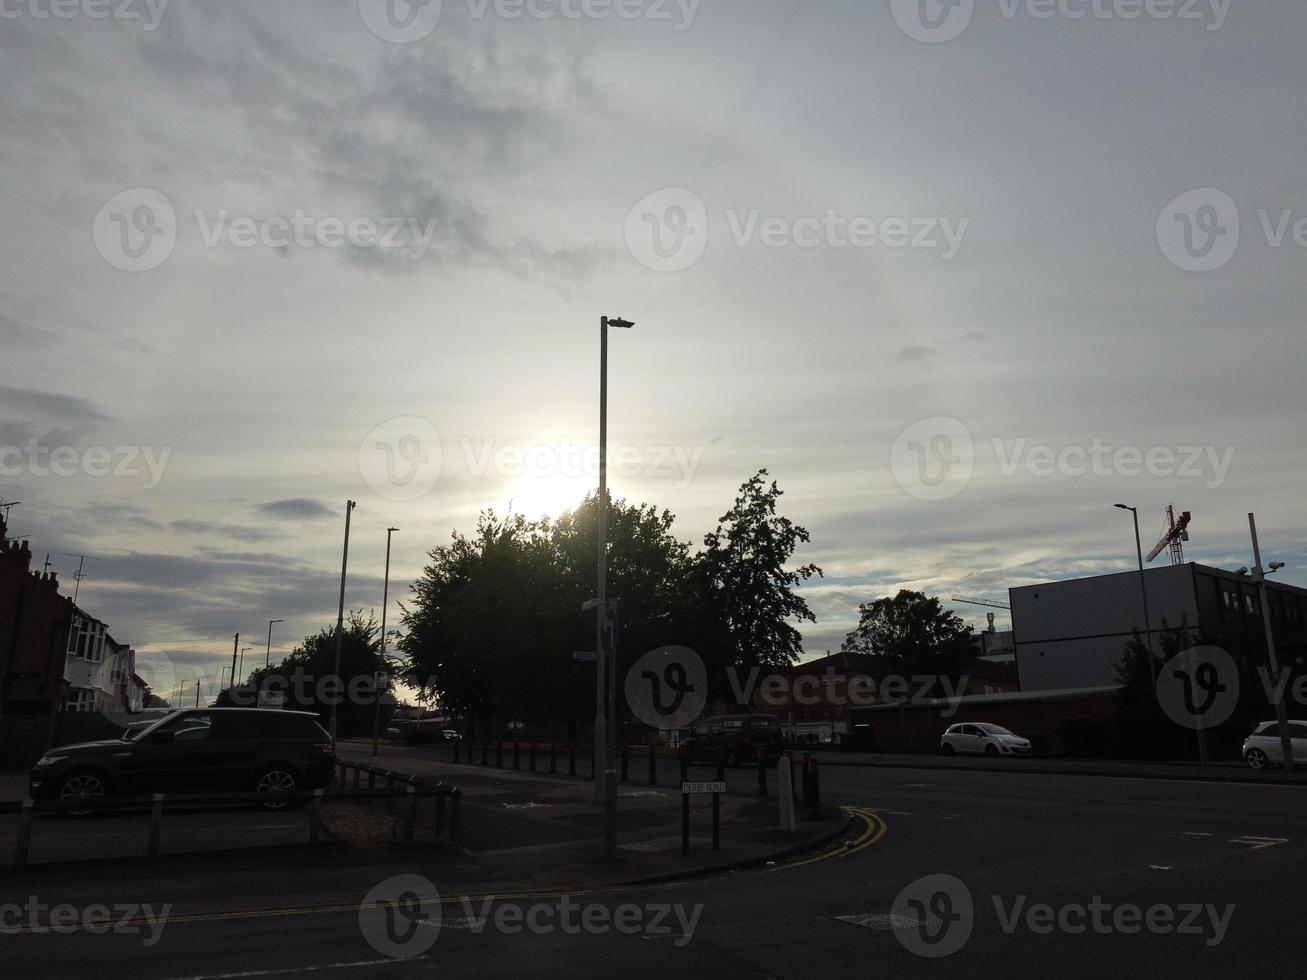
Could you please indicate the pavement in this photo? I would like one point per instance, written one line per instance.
(542, 830)
(1223, 770)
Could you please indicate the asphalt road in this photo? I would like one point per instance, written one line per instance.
(1049, 876)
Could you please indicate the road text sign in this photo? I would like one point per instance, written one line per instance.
(705, 786)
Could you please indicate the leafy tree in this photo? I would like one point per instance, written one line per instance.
(911, 633)
(303, 676)
(494, 617)
(744, 579)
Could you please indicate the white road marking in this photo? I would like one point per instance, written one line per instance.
(880, 921)
(527, 806)
(1196, 833)
(389, 961)
(1255, 843)
(1161, 867)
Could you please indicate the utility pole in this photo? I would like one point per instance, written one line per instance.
(380, 672)
(340, 617)
(1277, 689)
(235, 644)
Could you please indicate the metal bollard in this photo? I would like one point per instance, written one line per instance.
(156, 817)
(531, 759)
(24, 835)
(553, 759)
(358, 775)
(499, 754)
(517, 749)
(485, 752)
(458, 745)
(814, 792)
(717, 810)
(411, 813)
(685, 806)
(571, 759)
(315, 817)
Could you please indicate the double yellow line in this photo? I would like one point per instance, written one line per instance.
(874, 828)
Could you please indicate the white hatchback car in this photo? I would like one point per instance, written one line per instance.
(1262, 747)
(982, 738)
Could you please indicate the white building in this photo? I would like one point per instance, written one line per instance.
(98, 671)
(1072, 634)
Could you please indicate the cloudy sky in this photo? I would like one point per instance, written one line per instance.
(960, 277)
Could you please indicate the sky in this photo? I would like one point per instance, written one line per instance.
(959, 276)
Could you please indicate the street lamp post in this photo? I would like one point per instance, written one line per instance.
(606, 663)
(340, 617)
(1281, 712)
(376, 694)
(242, 666)
(267, 656)
(1143, 589)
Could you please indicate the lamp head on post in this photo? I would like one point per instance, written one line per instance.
(1123, 507)
(617, 321)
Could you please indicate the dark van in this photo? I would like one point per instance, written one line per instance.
(736, 739)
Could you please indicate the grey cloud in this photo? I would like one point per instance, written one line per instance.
(296, 508)
(49, 403)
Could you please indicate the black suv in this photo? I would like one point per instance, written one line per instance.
(198, 750)
(734, 739)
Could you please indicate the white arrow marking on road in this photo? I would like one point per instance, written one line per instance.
(1255, 843)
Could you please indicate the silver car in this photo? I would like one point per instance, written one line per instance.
(982, 738)
(1262, 747)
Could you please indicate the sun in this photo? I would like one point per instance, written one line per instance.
(538, 496)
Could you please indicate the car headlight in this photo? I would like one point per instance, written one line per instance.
(49, 760)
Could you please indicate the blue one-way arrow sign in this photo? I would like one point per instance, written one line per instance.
(608, 632)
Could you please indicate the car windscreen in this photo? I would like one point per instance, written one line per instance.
(994, 729)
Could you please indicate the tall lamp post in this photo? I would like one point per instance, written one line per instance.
(381, 666)
(1281, 713)
(267, 656)
(1143, 589)
(606, 657)
(340, 617)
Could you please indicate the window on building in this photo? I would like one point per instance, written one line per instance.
(81, 699)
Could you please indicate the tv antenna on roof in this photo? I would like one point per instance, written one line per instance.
(77, 576)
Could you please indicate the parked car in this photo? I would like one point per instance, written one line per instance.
(451, 735)
(199, 750)
(982, 738)
(1262, 747)
(735, 738)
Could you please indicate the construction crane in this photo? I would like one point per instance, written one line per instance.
(993, 603)
(1174, 533)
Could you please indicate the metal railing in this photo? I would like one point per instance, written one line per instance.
(407, 789)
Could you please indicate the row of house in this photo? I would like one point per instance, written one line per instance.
(55, 658)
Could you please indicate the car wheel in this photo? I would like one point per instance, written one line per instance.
(82, 786)
(276, 779)
(1256, 759)
(947, 749)
(991, 750)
